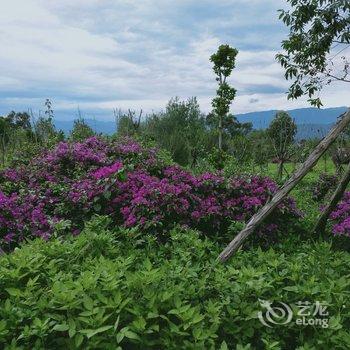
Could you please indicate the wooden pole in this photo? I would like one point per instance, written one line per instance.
(267, 209)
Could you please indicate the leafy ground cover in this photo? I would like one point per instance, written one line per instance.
(108, 289)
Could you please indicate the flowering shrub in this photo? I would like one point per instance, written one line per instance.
(132, 184)
(341, 217)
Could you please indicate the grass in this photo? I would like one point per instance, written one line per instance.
(322, 166)
(303, 190)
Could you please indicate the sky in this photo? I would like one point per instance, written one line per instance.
(100, 55)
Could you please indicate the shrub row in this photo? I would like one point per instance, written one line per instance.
(135, 185)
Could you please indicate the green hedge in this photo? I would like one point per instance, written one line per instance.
(120, 290)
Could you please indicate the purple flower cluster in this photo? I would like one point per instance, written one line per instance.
(341, 216)
(19, 215)
(106, 171)
(133, 185)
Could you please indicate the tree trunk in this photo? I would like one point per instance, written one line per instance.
(268, 208)
(280, 169)
(337, 195)
(3, 150)
(220, 133)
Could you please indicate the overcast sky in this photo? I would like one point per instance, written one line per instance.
(103, 54)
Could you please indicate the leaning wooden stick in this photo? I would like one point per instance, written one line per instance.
(336, 197)
(267, 209)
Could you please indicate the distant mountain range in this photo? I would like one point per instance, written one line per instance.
(312, 122)
(316, 116)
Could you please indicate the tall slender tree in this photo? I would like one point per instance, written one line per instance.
(224, 62)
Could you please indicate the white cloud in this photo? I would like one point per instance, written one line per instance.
(139, 54)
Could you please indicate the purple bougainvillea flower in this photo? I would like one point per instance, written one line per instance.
(75, 181)
(107, 170)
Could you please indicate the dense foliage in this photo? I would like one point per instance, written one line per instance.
(223, 63)
(135, 185)
(319, 31)
(81, 130)
(281, 131)
(106, 289)
(341, 216)
(183, 130)
(180, 129)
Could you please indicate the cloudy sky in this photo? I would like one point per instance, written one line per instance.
(103, 54)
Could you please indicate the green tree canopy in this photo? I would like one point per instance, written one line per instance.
(180, 130)
(281, 131)
(81, 130)
(319, 34)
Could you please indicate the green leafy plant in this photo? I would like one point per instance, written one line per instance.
(107, 289)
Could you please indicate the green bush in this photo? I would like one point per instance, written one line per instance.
(120, 290)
